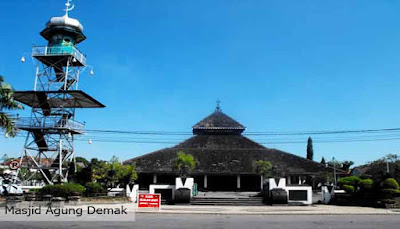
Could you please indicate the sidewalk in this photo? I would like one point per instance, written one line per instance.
(272, 210)
(243, 210)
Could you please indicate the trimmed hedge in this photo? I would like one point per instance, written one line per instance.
(348, 188)
(389, 193)
(92, 187)
(63, 190)
(351, 180)
(390, 183)
(366, 184)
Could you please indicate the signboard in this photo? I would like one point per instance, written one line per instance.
(14, 165)
(149, 201)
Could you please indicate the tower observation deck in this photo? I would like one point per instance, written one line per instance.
(49, 148)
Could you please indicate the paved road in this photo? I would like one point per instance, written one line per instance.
(229, 221)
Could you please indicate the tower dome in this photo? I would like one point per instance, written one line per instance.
(63, 29)
(65, 21)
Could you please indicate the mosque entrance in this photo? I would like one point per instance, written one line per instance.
(221, 183)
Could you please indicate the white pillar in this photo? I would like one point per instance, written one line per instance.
(155, 179)
(205, 181)
(262, 182)
(300, 181)
(289, 180)
(238, 182)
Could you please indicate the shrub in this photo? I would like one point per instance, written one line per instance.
(92, 187)
(389, 193)
(390, 183)
(366, 184)
(63, 190)
(351, 180)
(348, 188)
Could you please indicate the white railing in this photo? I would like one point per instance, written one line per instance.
(50, 123)
(59, 50)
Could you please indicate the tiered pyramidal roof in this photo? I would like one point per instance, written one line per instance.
(218, 123)
(219, 147)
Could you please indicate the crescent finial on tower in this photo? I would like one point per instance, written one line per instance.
(68, 7)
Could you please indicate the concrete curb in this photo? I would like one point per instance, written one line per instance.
(262, 213)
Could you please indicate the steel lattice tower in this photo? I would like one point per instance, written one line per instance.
(49, 147)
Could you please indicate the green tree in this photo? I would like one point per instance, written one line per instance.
(383, 168)
(184, 163)
(346, 165)
(112, 173)
(7, 103)
(323, 161)
(264, 168)
(343, 165)
(310, 150)
(126, 174)
(100, 171)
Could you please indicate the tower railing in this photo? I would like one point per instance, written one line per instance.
(50, 123)
(59, 50)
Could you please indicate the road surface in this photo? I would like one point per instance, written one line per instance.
(147, 220)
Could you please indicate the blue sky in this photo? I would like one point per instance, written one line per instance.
(275, 65)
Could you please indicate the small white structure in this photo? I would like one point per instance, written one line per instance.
(132, 194)
(301, 194)
(296, 193)
(277, 183)
(188, 184)
(153, 187)
(178, 184)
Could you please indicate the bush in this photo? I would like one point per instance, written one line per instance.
(348, 188)
(366, 184)
(351, 180)
(390, 183)
(389, 193)
(63, 190)
(92, 187)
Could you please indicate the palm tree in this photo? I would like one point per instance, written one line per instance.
(264, 168)
(7, 103)
(184, 163)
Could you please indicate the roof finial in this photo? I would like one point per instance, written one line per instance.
(68, 7)
(218, 108)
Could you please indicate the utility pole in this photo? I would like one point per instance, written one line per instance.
(334, 170)
(387, 164)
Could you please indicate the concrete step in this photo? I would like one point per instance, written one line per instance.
(240, 201)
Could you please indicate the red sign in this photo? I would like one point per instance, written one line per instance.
(149, 201)
(14, 165)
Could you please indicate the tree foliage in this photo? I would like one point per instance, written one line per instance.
(310, 150)
(62, 190)
(383, 168)
(351, 180)
(366, 184)
(7, 103)
(113, 173)
(107, 173)
(264, 168)
(390, 183)
(184, 163)
(342, 165)
(323, 161)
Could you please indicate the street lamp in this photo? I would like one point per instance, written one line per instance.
(23, 60)
(91, 69)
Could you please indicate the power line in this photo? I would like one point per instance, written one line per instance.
(253, 133)
(289, 137)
